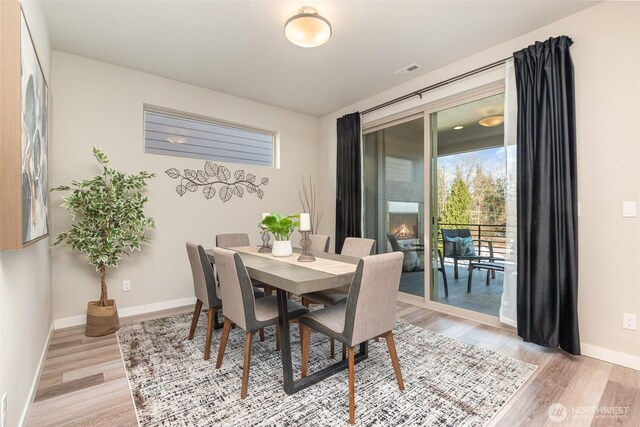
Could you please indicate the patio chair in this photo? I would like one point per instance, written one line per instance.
(395, 245)
(452, 241)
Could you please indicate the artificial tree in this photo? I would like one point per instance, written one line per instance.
(108, 221)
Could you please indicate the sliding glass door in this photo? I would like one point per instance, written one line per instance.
(442, 172)
(394, 196)
(468, 172)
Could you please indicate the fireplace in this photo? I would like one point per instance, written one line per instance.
(403, 225)
(404, 220)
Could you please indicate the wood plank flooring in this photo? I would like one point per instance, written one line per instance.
(83, 381)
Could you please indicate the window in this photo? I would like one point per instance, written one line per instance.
(181, 135)
(399, 169)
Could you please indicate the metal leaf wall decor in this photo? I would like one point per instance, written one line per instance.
(213, 175)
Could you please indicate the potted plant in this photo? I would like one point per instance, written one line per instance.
(281, 227)
(108, 222)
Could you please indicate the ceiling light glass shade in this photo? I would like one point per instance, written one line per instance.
(491, 121)
(458, 127)
(307, 28)
(176, 140)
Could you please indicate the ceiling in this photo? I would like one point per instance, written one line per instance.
(238, 47)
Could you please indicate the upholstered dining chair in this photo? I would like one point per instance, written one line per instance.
(370, 311)
(233, 240)
(243, 309)
(319, 242)
(355, 247)
(204, 285)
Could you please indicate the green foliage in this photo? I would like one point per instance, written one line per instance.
(108, 215)
(281, 226)
(457, 205)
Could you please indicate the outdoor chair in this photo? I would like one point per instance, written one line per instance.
(459, 245)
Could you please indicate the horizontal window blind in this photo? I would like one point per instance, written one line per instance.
(398, 169)
(180, 136)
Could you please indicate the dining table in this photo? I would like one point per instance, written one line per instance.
(288, 275)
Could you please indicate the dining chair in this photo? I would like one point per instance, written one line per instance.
(319, 242)
(242, 309)
(234, 240)
(370, 311)
(204, 285)
(355, 247)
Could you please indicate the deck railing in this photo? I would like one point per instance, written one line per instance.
(496, 233)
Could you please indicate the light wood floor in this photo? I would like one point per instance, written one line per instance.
(83, 380)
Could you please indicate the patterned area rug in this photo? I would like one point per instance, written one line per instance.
(447, 382)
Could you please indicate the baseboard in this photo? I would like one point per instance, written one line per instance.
(128, 311)
(34, 384)
(589, 350)
(611, 356)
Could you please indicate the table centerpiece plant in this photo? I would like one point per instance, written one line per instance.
(281, 227)
(108, 223)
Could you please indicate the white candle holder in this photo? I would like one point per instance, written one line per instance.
(306, 256)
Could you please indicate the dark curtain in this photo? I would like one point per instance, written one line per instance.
(547, 196)
(348, 180)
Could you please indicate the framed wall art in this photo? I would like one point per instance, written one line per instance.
(24, 213)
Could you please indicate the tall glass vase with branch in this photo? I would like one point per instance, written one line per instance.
(309, 201)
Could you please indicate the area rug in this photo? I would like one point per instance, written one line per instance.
(447, 382)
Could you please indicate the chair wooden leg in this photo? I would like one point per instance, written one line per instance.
(394, 358)
(305, 302)
(223, 342)
(196, 316)
(344, 351)
(211, 316)
(352, 386)
(261, 334)
(305, 339)
(247, 362)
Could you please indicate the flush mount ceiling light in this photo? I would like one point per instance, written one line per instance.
(458, 127)
(176, 140)
(307, 28)
(491, 121)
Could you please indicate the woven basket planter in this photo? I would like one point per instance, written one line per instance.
(102, 320)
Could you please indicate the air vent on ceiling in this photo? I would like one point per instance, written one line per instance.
(408, 69)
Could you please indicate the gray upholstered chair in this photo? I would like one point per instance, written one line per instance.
(370, 312)
(204, 284)
(355, 247)
(319, 242)
(242, 308)
(234, 240)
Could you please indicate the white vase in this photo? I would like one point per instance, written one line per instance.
(281, 248)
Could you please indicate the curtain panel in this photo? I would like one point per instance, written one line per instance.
(348, 180)
(547, 269)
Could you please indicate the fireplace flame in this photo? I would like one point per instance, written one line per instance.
(403, 231)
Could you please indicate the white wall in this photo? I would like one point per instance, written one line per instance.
(25, 285)
(101, 105)
(606, 55)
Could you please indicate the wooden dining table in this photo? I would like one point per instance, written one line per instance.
(289, 275)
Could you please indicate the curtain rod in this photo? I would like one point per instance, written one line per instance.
(435, 86)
